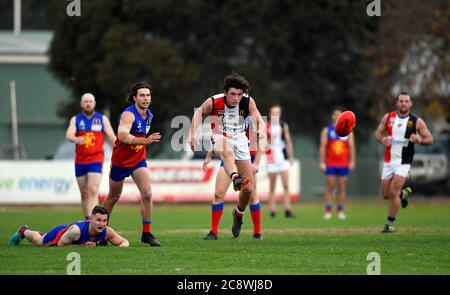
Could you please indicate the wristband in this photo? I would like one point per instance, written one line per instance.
(129, 139)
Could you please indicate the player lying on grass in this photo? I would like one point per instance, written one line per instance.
(84, 233)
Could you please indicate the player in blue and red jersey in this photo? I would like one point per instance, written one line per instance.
(129, 154)
(87, 130)
(337, 159)
(83, 233)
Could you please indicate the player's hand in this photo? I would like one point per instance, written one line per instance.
(323, 167)
(351, 166)
(386, 140)
(414, 138)
(154, 137)
(291, 161)
(261, 134)
(205, 163)
(255, 167)
(80, 140)
(90, 244)
(191, 141)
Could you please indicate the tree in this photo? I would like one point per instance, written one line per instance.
(307, 55)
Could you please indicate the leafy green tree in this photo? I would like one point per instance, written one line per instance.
(306, 55)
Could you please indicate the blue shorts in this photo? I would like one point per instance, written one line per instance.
(252, 159)
(337, 171)
(120, 173)
(83, 169)
(53, 236)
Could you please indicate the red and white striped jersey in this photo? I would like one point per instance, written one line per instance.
(400, 150)
(229, 121)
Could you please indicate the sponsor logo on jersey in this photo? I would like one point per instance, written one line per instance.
(89, 140)
(137, 148)
(221, 114)
(81, 125)
(403, 142)
(96, 125)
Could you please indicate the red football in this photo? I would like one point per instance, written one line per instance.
(345, 123)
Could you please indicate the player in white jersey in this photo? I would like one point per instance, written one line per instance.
(280, 157)
(399, 131)
(228, 112)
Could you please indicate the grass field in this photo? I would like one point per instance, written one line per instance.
(304, 245)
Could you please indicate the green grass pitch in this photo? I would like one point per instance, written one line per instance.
(304, 245)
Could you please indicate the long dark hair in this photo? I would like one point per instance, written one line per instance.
(134, 89)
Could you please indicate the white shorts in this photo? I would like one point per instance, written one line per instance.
(239, 145)
(389, 169)
(278, 167)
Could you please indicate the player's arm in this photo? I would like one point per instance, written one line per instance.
(72, 131)
(260, 125)
(203, 111)
(123, 131)
(381, 129)
(109, 132)
(289, 144)
(257, 161)
(258, 153)
(423, 135)
(322, 148)
(115, 239)
(351, 143)
(71, 235)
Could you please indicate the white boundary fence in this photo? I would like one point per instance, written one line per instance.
(54, 182)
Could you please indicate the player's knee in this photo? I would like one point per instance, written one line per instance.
(228, 155)
(92, 190)
(254, 198)
(330, 187)
(147, 196)
(84, 192)
(248, 189)
(113, 197)
(394, 192)
(219, 196)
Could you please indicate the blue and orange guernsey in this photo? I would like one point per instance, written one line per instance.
(129, 155)
(92, 131)
(337, 150)
(52, 237)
